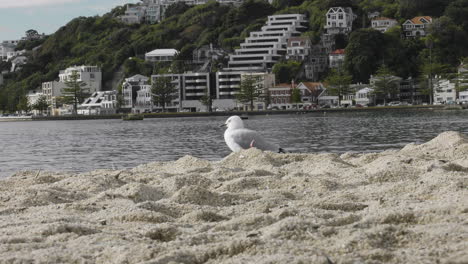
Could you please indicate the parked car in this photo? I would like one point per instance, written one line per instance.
(394, 103)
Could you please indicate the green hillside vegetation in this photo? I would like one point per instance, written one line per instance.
(114, 46)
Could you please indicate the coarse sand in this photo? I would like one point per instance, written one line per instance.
(406, 206)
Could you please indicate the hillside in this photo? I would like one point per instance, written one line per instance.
(108, 43)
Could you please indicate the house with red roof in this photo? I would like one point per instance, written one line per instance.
(417, 26)
(336, 58)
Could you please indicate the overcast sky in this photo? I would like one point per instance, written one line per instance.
(47, 16)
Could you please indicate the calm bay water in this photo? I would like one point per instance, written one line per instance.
(92, 144)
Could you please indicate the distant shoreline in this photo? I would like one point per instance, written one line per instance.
(226, 113)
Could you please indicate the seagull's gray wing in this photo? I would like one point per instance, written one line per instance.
(247, 138)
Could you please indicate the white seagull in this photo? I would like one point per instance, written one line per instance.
(237, 137)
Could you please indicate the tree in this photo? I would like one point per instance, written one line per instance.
(338, 83)
(250, 90)
(207, 100)
(75, 91)
(163, 91)
(364, 53)
(386, 84)
(296, 96)
(41, 104)
(23, 104)
(286, 71)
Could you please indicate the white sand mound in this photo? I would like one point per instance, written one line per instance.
(407, 206)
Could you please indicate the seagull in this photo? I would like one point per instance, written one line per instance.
(237, 137)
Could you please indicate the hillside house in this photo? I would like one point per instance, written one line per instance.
(336, 58)
(383, 24)
(339, 20)
(161, 55)
(298, 48)
(417, 26)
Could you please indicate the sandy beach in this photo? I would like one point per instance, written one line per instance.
(399, 206)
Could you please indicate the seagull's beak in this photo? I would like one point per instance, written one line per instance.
(223, 125)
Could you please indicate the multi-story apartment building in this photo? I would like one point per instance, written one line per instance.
(339, 20)
(298, 48)
(90, 75)
(262, 49)
(191, 87)
(280, 95)
(383, 24)
(52, 90)
(444, 91)
(130, 88)
(417, 26)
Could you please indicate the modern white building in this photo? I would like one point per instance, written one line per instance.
(383, 24)
(336, 58)
(262, 49)
(161, 55)
(99, 103)
(52, 90)
(339, 20)
(444, 91)
(417, 26)
(90, 75)
(298, 48)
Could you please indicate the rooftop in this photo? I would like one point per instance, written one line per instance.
(162, 52)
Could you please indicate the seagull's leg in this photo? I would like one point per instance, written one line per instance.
(252, 143)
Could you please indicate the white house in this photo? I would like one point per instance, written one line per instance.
(99, 103)
(444, 91)
(161, 55)
(383, 24)
(90, 75)
(339, 20)
(417, 26)
(336, 58)
(298, 48)
(365, 96)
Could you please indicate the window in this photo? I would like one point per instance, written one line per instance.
(340, 16)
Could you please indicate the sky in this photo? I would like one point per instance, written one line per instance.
(47, 16)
